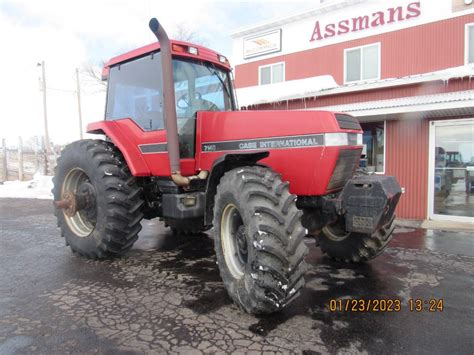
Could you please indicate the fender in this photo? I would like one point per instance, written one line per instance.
(221, 165)
(129, 150)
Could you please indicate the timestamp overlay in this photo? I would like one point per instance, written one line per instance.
(386, 305)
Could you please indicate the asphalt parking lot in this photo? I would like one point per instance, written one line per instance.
(166, 296)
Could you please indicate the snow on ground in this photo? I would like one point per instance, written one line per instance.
(40, 187)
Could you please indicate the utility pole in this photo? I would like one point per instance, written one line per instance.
(79, 103)
(45, 111)
(21, 174)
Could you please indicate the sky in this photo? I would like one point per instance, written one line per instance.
(70, 34)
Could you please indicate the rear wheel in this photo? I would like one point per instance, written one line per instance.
(98, 204)
(258, 239)
(353, 247)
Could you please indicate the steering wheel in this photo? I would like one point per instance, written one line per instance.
(183, 101)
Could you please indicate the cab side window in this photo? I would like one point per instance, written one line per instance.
(135, 91)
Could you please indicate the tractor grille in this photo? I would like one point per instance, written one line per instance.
(347, 122)
(347, 163)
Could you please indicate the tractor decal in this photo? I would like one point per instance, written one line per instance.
(153, 148)
(313, 140)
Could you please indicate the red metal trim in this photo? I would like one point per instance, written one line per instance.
(130, 151)
(127, 136)
(308, 169)
(204, 54)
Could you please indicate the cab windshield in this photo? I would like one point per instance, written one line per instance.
(135, 90)
(200, 86)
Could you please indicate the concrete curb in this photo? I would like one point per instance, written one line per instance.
(442, 225)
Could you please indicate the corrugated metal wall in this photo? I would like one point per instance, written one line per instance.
(409, 51)
(406, 155)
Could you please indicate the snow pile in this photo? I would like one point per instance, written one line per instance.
(286, 90)
(326, 85)
(455, 73)
(40, 187)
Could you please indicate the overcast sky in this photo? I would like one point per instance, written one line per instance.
(69, 34)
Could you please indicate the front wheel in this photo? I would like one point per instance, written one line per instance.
(354, 247)
(258, 239)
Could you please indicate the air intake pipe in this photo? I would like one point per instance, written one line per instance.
(171, 122)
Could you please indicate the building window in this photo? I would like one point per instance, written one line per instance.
(373, 153)
(362, 63)
(271, 74)
(470, 43)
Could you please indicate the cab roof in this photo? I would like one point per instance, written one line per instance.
(178, 49)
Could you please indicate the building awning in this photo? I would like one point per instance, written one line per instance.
(286, 90)
(325, 85)
(459, 103)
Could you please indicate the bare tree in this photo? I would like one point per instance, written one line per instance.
(183, 33)
(92, 76)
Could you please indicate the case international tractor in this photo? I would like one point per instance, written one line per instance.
(177, 148)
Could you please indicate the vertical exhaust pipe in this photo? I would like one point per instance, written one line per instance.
(171, 123)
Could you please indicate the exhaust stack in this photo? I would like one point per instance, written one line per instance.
(171, 123)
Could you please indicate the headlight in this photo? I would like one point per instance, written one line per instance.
(193, 50)
(222, 59)
(336, 139)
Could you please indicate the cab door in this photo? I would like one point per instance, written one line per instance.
(135, 103)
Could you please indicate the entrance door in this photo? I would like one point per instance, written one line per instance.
(451, 175)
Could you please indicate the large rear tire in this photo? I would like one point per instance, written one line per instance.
(354, 247)
(259, 239)
(109, 223)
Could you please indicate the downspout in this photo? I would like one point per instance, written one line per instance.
(171, 122)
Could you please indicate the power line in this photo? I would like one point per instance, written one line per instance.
(62, 90)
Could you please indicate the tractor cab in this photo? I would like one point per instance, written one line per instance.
(201, 78)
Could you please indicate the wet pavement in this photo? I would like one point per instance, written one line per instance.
(165, 295)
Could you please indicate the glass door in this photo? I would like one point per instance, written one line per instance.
(451, 176)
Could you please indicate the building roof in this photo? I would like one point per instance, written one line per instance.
(326, 85)
(459, 103)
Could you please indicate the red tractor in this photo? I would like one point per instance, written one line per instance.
(176, 147)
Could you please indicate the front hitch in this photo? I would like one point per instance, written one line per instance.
(368, 202)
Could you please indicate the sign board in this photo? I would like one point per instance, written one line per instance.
(384, 16)
(462, 5)
(261, 44)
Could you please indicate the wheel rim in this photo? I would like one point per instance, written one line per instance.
(77, 183)
(336, 232)
(234, 241)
